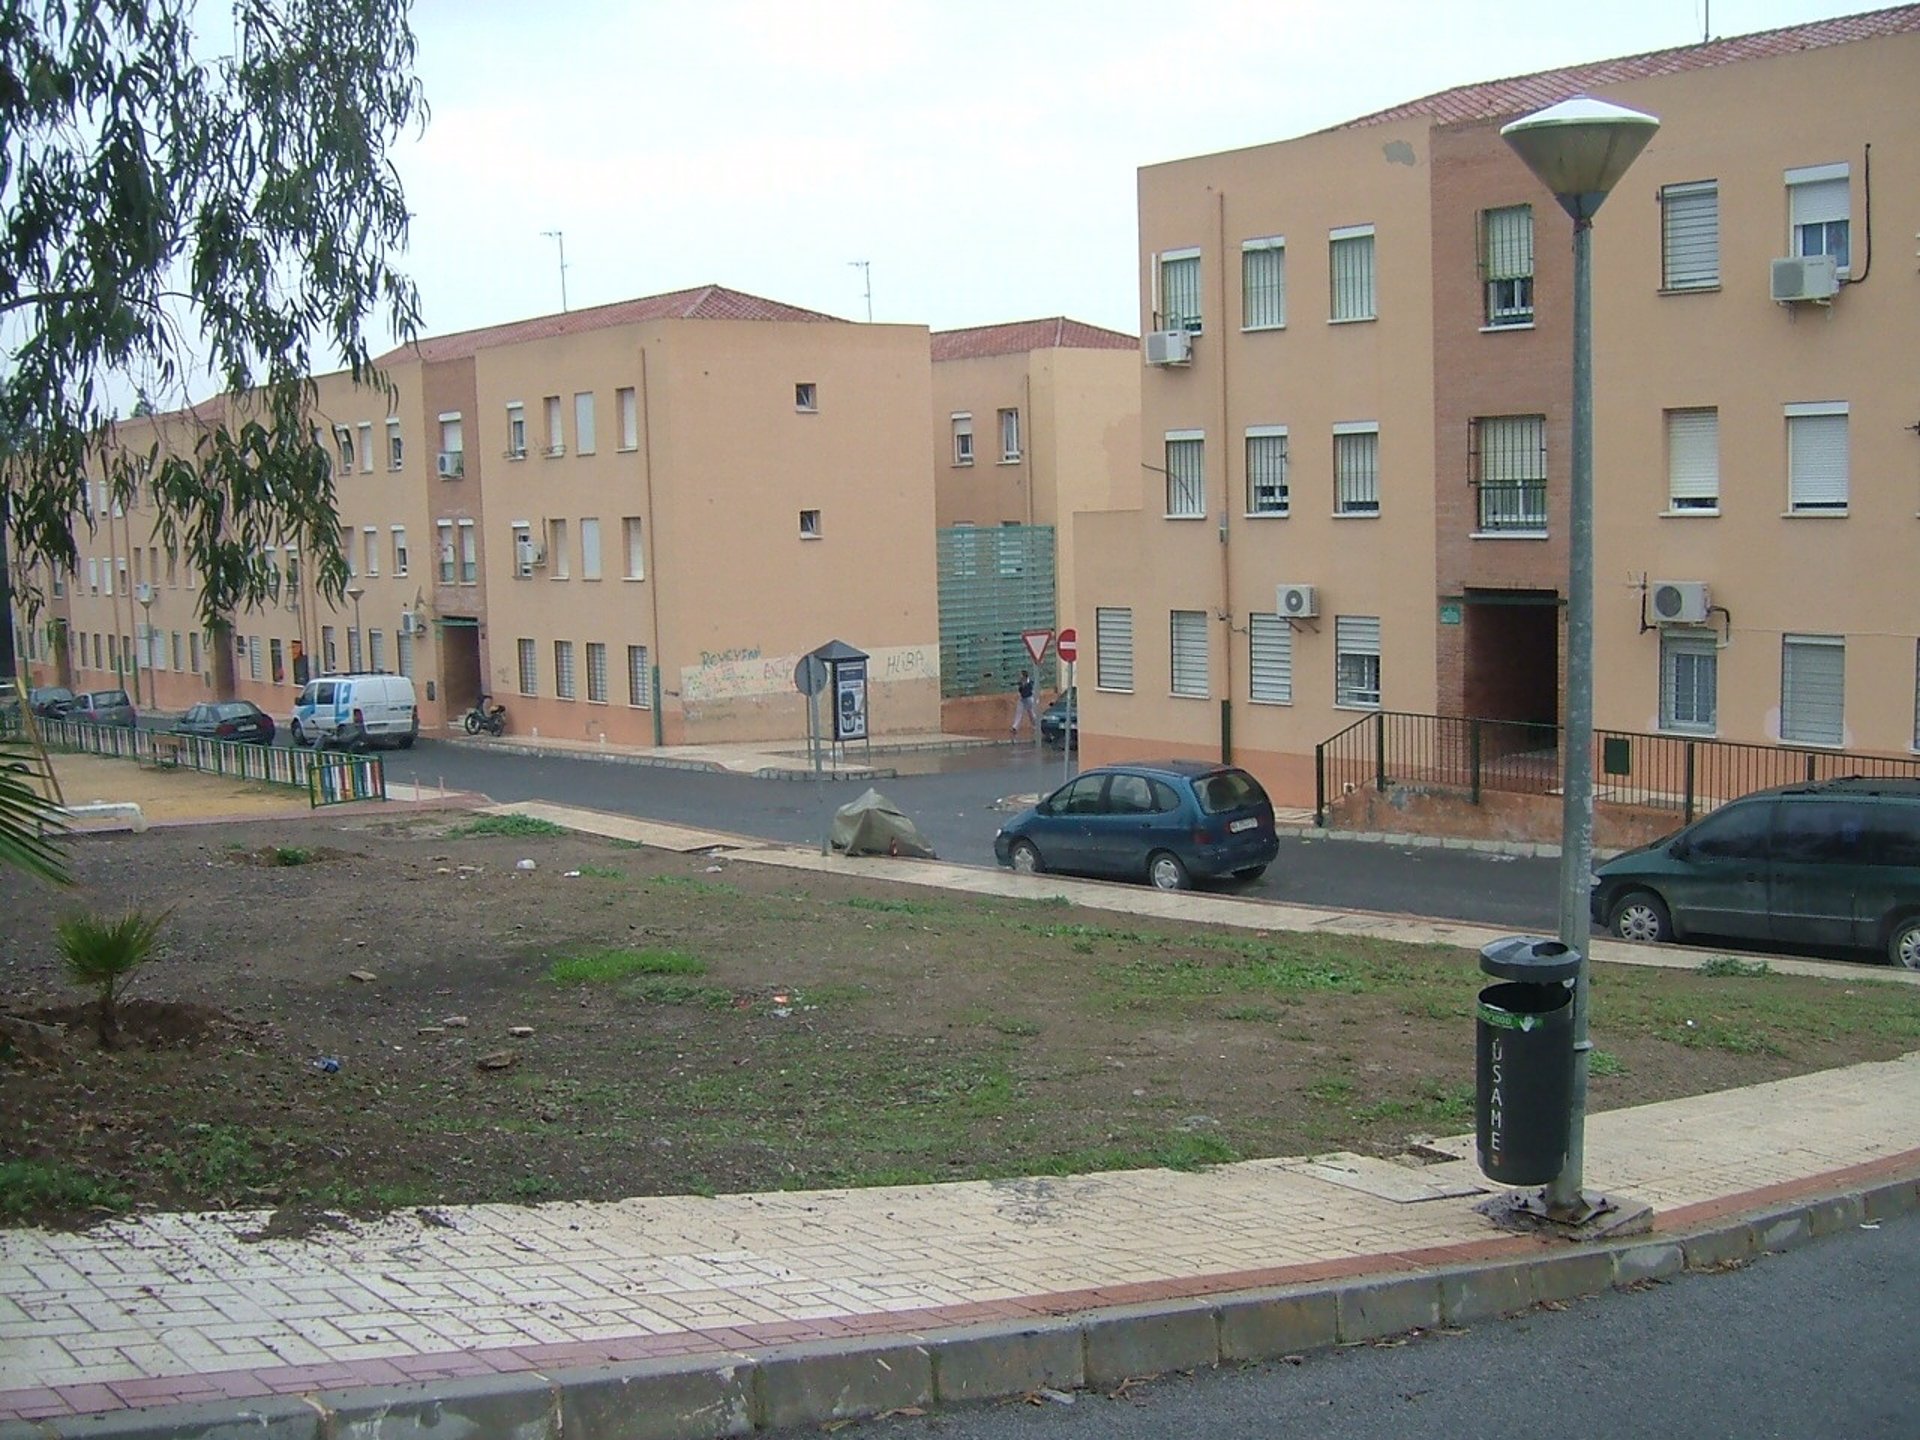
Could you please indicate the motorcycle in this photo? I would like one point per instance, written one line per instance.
(490, 718)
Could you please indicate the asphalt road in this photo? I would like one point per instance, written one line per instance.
(959, 807)
(1816, 1342)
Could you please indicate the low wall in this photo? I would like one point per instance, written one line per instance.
(1498, 816)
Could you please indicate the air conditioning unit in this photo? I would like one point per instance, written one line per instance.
(143, 593)
(1297, 602)
(451, 464)
(536, 557)
(1680, 602)
(410, 622)
(1169, 347)
(1809, 277)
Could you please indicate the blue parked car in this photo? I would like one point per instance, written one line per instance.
(1169, 822)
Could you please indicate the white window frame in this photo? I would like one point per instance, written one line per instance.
(583, 439)
(370, 542)
(1356, 638)
(962, 438)
(1813, 488)
(1691, 656)
(627, 400)
(1186, 485)
(589, 547)
(1269, 659)
(1113, 648)
(1693, 460)
(564, 680)
(1189, 665)
(1263, 283)
(1269, 496)
(633, 538)
(1808, 717)
(1690, 236)
(1178, 312)
(559, 551)
(447, 563)
(556, 427)
(396, 446)
(1819, 198)
(1351, 488)
(516, 431)
(528, 655)
(639, 678)
(402, 560)
(365, 429)
(1009, 437)
(1354, 297)
(469, 554)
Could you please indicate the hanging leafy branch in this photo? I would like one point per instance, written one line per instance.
(165, 216)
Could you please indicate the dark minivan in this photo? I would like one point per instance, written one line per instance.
(1828, 866)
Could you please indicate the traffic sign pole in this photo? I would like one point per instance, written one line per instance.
(1071, 733)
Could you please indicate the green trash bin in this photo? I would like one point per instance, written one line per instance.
(1523, 1043)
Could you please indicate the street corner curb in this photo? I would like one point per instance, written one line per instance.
(1262, 1326)
(267, 1418)
(667, 1399)
(1129, 1342)
(1471, 1294)
(987, 1361)
(518, 1407)
(1375, 1309)
(825, 1381)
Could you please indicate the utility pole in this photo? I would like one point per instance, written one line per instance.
(560, 236)
(865, 267)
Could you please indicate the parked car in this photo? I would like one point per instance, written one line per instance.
(1831, 866)
(1170, 823)
(352, 711)
(50, 702)
(102, 707)
(9, 700)
(236, 720)
(1060, 721)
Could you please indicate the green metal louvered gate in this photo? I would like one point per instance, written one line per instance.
(995, 583)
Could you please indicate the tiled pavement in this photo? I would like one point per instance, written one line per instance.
(166, 1309)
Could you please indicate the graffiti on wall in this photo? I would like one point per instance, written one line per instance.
(736, 675)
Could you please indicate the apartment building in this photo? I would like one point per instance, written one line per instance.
(1356, 420)
(627, 523)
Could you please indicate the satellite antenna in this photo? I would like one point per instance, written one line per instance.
(561, 237)
(865, 267)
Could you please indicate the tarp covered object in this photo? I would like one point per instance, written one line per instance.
(873, 825)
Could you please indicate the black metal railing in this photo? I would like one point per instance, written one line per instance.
(1687, 775)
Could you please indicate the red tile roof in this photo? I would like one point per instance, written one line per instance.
(1022, 336)
(709, 302)
(1522, 93)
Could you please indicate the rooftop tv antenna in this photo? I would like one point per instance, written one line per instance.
(561, 237)
(865, 267)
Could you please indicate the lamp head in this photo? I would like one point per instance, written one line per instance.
(1580, 148)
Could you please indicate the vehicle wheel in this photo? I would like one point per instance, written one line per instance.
(472, 723)
(1903, 944)
(1252, 872)
(1166, 872)
(1642, 915)
(298, 735)
(406, 742)
(1026, 859)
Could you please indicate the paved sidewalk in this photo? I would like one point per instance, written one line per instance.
(692, 1316)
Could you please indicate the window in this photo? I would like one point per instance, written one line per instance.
(329, 650)
(1689, 681)
(1693, 459)
(444, 530)
(399, 550)
(1350, 253)
(1270, 659)
(1816, 458)
(1356, 468)
(1113, 648)
(1266, 470)
(1813, 689)
(1009, 437)
(809, 524)
(963, 439)
(1186, 475)
(1820, 204)
(175, 640)
(452, 460)
(343, 437)
(563, 669)
(173, 573)
(639, 678)
(559, 562)
(589, 549)
(1356, 661)
(556, 435)
(522, 550)
(516, 431)
(376, 650)
(93, 574)
(469, 554)
(806, 397)
(252, 644)
(1263, 283)
(354, 658)
(1506, 258)
(596, 672)
(293, 580)
(529, 668)
(396, 448)
(1690, 236)
(370, 546)
(628, 403)
(403, 654)
(1189, 652)
(583, 422)
(636, 553)
(365, 431)
(1738, 832)
(1180, 290)
(1510, 471)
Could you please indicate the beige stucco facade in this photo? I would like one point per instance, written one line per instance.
(1468, 601)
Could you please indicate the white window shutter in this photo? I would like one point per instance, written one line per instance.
(1693, 457)
(1817, 461)
(1813, 690)
(1270, 639)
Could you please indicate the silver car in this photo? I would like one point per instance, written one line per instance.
(102, 707)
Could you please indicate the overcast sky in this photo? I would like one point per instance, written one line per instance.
(979, 154)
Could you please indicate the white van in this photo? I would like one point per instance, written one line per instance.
(351, 711)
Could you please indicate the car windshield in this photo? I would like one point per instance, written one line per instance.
(1225, 790)
(101, 699)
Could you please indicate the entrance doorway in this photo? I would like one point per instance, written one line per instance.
(1513, 668)
(461, 682)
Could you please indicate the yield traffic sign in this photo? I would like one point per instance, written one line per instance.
(1037, 642)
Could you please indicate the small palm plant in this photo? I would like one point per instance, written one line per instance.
(103, 954)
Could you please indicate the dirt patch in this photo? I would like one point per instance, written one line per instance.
(171, 796)
(309, 1035)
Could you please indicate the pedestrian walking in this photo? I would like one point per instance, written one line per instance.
(1026, 707)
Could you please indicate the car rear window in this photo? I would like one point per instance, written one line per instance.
(1225, 790)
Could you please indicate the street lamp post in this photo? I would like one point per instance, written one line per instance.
(153, 685)
(1579, 149)
(356, 656)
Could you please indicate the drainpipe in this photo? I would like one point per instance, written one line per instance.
(1226, 502)
(647, 543)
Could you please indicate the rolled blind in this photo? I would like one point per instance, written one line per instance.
(1352, 260)
(1693, 458)
(1263, 283)
(1180, 292)
(1113, 647)
(1690, 235)
(1510, 243)
(1189, 648)
(1270, 641)
(1817, 462)
(1813, 690)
